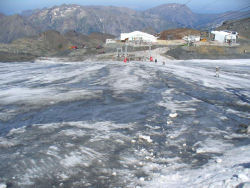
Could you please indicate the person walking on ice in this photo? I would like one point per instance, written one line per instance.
(217, 71)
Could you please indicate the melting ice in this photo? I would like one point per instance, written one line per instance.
(111, 124)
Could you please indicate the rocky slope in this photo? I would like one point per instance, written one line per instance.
(14, 27)
(174, 34)
(52, 43)
(242, 26)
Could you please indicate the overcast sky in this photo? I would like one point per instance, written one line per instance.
(199, 6)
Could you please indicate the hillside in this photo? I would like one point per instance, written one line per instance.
(100, 36)
(52, 43)
(174, 34)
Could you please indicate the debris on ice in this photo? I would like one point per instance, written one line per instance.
(169, 122)
(146, 138)
(218, 160)
(142, 179)
(133, 141)
(173, 115)
(140, 164)
(196, 122)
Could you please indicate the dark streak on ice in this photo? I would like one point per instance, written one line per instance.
(132, 106)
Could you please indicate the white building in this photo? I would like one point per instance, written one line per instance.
(138, 36)
(110, 41)
(192, 38)
(225, 36)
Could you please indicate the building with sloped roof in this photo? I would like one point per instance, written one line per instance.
(138, 36)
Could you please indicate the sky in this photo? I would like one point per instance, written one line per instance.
(199, 6)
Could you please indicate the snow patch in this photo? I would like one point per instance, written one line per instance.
(2, 185)
(5, 143)
(146, 138)
(71, 160)
(227, 173)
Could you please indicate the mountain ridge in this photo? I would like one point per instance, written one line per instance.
(105, 19)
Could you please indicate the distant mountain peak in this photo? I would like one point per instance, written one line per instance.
(170, 6)
(173, 5)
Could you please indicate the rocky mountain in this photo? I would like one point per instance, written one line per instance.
(185, 18)
(14, 27)
(113, 20)
(104, 19)
(175, 13)
(27, 13)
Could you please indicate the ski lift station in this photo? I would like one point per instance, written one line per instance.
(138, 36)
(225, 36)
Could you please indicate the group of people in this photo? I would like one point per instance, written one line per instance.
(151, 60)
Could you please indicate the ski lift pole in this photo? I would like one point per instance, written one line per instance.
(126, 52)
(150, 54)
